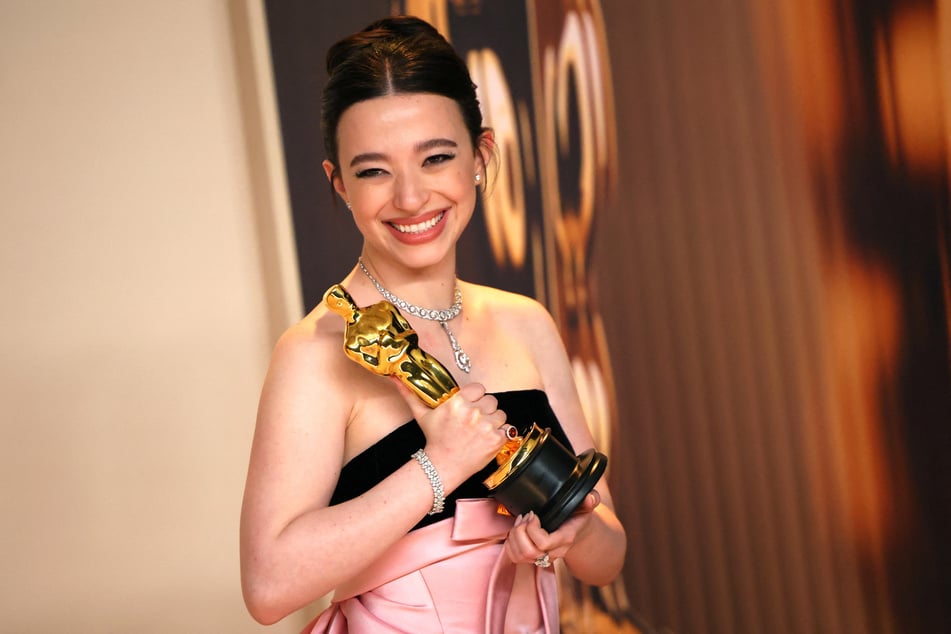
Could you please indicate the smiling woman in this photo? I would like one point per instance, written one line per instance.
(354, 485)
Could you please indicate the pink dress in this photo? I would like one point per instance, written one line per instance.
(451, 576)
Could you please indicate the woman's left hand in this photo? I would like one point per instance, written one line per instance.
(528, 542)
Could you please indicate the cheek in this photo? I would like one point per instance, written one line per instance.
(466, 204)
(366, 197)
(462, 191)
(464, 185)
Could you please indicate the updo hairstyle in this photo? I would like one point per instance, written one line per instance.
(398, 55)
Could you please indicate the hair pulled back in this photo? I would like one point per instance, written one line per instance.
(392, 56)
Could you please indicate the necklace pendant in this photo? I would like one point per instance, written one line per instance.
(462, 360)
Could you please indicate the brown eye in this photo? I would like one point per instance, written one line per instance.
(438, 158)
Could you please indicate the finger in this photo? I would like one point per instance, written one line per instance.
(539, 537)
(488, 404)
(590, 502)
(497, 418)
(519, 547)
(472, 392)
(595, 496)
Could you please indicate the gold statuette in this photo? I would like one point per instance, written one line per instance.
(535, 472)
(380, 339)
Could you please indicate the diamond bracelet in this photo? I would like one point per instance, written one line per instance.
(439, 497)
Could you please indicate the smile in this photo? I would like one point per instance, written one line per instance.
(420, 226)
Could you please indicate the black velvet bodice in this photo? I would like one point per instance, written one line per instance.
(373, 465)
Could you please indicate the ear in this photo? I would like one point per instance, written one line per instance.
(335, 179)
(486, 147)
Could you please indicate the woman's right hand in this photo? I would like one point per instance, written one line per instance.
(463, 434)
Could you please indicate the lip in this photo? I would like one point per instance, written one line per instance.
(424, 235)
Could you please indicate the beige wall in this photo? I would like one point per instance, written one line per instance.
(137, 316)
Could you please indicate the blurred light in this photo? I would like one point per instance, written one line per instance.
(909, 92)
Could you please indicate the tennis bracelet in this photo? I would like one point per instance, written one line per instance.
(439, 495)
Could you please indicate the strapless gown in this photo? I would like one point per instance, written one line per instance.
(450, 573)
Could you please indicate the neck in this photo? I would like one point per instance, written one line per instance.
(426, 281)
(429, 287)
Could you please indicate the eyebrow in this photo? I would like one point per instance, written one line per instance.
(422, 146)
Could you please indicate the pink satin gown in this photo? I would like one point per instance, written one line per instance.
(449, 577)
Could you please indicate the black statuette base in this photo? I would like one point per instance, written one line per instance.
(549, 480)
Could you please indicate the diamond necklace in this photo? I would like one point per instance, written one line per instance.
(442, 316)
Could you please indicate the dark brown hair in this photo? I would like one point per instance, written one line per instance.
(399, 55)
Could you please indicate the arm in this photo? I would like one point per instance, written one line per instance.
(294, 547)
(592, 542)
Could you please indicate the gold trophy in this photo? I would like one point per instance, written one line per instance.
(535, 471)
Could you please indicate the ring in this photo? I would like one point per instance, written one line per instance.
(510, 432)
(543, 561)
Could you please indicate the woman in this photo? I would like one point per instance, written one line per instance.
(343, 493)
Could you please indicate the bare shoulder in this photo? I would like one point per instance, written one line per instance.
(517, 333)
(311, 339)
(519, 316)
(307, 364)
(508, 307)
(304, 345)
(314, 389)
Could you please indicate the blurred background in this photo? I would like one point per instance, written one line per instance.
(737, 211)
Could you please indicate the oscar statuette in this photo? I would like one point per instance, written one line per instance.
(535, 471)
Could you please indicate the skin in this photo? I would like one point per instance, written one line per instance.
(404, 160)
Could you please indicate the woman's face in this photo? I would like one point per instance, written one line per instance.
(408, 169)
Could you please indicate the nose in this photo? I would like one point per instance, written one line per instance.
(410, 192)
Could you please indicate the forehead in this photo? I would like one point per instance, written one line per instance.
(398, 123)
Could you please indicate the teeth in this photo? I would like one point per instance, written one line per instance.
(420, 226)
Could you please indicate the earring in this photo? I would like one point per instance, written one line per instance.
(349, 206)
(478, 178)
